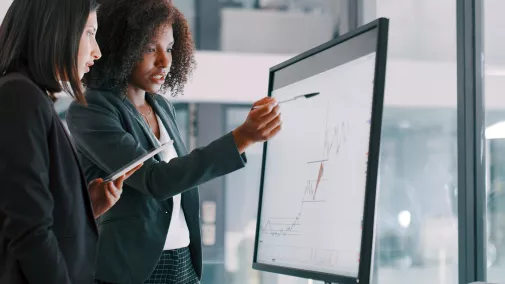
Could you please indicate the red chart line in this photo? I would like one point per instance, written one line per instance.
(319, 177)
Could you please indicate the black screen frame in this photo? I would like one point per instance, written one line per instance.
(381, 27)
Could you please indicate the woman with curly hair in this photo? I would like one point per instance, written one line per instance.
(152, 234)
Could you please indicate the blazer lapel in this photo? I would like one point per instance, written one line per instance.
(171, 128)
(190, 200)
(143, 125)
(87, 198)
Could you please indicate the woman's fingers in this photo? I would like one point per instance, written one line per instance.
(113, 193)
(131, 172)
(118, 183)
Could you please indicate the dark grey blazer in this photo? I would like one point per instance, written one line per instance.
(109, 133)
(47, 228)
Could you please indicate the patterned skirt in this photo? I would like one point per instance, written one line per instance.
(174, 267)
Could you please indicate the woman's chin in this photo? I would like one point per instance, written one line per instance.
(153, 89)
(81, 74)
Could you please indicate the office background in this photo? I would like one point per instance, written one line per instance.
(441, 214)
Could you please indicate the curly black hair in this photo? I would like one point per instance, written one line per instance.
(124, 28)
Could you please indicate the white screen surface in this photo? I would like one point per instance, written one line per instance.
(315, 172)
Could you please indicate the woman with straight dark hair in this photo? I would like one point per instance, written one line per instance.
(48, 232)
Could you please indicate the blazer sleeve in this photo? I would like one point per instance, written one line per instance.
(101, 138)
(26, 201)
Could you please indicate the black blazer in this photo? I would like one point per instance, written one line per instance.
(109, 133)
(47, 229)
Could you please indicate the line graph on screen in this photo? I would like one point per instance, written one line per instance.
(335, 136)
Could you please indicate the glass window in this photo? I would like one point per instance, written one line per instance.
(187, 7)
(417, 235)
(182, 112)
(271, 26)
(283, 5)
(494, 44)
(4, 6)
(242, 193)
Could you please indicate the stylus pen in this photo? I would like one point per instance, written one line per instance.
(307, 96)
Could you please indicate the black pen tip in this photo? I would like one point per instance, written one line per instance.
(311, 95)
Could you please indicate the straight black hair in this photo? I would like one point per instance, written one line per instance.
(43, 36)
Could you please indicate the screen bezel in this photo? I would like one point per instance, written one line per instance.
(381, 26)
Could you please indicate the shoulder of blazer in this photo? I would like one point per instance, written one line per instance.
(101, 99)
(26, 89)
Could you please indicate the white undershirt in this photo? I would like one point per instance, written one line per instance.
(178, 232)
